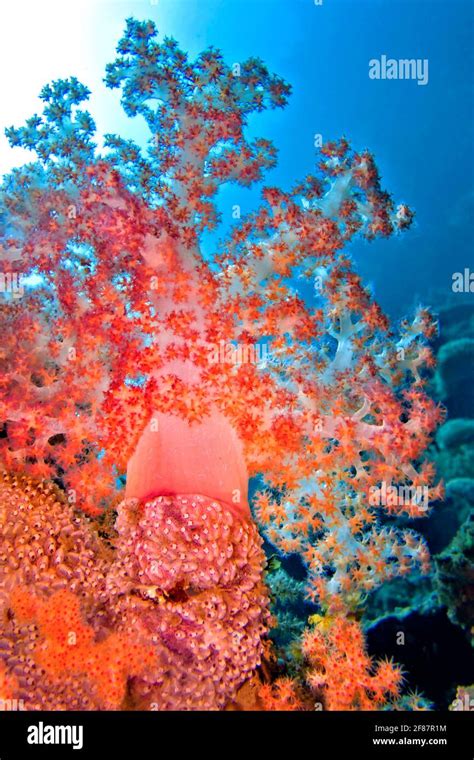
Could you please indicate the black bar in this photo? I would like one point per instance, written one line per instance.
(320, 735)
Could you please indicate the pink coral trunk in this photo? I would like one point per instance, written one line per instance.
(174, 457)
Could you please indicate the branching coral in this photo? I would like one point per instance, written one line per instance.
(341, 671)
(339, 674)
(108, 365)
(281, 695)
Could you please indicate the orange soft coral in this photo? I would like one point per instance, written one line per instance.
(109, 363)
(341, 674)
(281, 695)
(67, 648)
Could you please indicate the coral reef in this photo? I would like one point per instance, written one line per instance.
(455, 370)
(112, 371)
(455, 575)
(288, 609)
(441, 601)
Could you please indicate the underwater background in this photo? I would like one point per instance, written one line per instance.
(422, 138)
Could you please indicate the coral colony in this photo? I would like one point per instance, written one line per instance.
(132, 569)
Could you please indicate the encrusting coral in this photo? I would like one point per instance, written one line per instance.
(109, 367)
(185, 577)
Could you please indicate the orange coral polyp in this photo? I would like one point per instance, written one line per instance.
(68, 645)
(341, 673)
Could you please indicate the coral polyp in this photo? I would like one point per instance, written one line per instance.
(132, 572)
(193, 575)
(185, 577)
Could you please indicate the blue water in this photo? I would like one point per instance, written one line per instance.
(422, 136)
